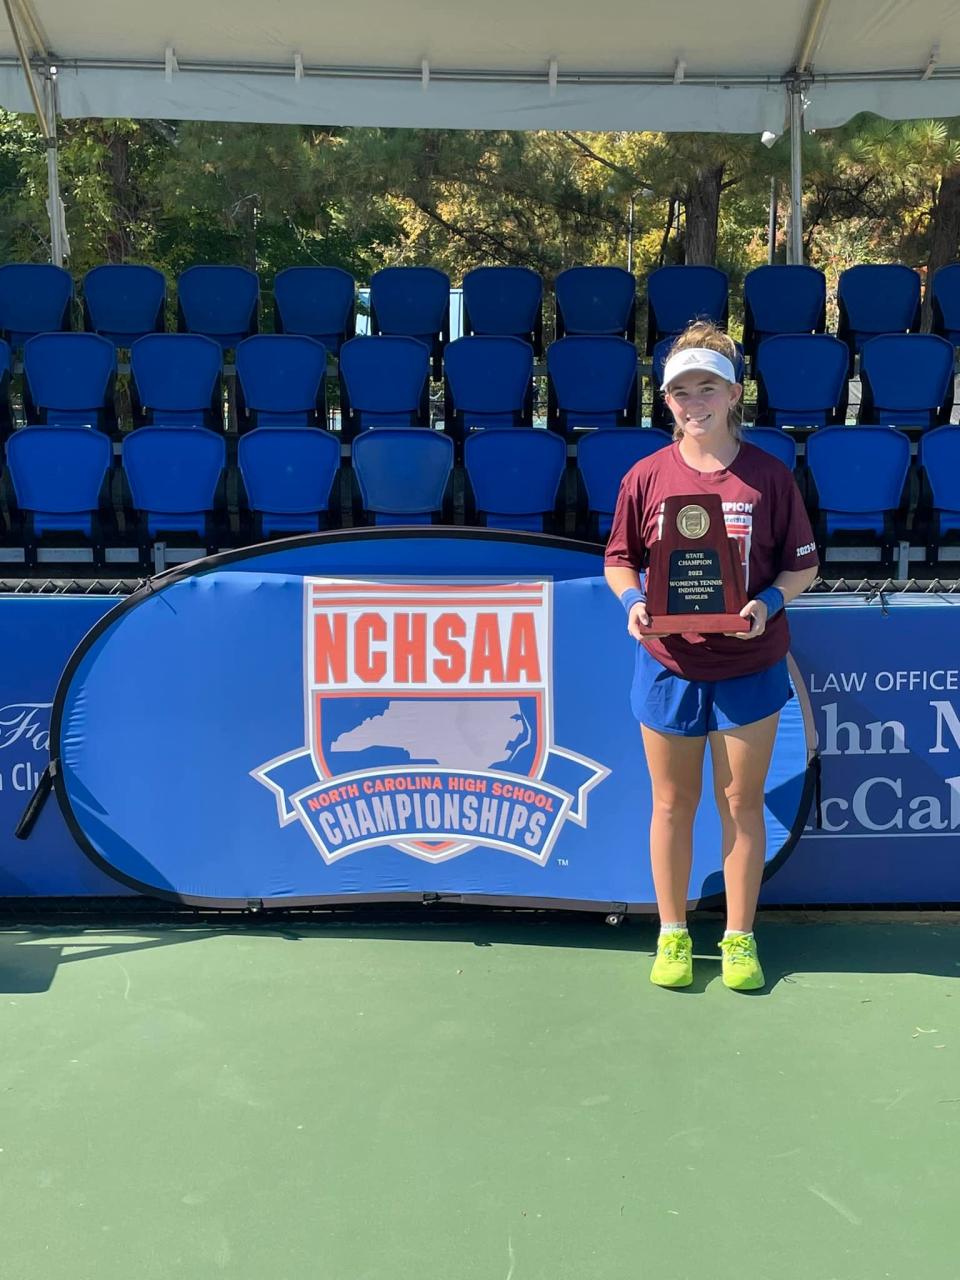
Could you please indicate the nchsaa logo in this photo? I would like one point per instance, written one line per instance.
(429, 722)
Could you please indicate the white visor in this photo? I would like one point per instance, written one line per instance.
(696, 359)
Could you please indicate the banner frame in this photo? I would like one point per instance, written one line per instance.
(197, 568)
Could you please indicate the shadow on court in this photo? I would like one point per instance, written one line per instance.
(31, 954)
(791, 952)
(30, 959)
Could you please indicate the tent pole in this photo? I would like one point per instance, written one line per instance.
(812, 34)
(772, 223)
(630, 235)
(58, 247)
(795, 242)
(26, 16)
(25, 63)
(810, 41)
(46, 113)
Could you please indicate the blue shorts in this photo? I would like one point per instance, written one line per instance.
(664, 701)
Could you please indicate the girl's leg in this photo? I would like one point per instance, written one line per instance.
(676, 776)
(741, 759)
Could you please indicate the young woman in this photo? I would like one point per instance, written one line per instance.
(725, 689)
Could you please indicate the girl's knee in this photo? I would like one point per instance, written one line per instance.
(742, 807)
(674, 801)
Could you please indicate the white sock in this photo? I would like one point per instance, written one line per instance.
(679, 927)
(736, 933)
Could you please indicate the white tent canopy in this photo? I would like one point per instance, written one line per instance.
(743, 66)
(499, 64)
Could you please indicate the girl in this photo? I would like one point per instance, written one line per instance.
(725, 689)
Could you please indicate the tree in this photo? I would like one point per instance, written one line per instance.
(873, 196)
(173, 194)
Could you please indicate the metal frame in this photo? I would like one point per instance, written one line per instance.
(534, 75)
(800, 80)
(795, 233)
(52, 778)
(19, 13)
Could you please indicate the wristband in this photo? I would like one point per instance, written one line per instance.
(772, 597)
(632, 596)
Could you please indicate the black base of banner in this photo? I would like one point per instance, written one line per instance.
(145, 913)
(35, 805)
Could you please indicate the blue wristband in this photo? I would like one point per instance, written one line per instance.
(772, 597)
(632, 596)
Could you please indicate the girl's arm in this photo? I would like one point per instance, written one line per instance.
(625, 551)
(792, 582)
(621, 578)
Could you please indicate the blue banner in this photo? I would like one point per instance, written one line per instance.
(883, 682)
(316, 721)
(37, 636)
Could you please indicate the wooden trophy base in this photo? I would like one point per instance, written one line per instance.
(702, 624)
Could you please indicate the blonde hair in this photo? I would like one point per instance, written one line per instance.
(704, 333)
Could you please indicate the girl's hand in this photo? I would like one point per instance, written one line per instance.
(638, 618)
(756, 611)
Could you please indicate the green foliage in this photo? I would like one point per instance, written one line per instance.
(173, 194)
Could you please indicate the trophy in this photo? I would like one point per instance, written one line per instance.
(694, 579)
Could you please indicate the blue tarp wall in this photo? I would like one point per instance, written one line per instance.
(879, 679)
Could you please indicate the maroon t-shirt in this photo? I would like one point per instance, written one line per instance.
(763, 511)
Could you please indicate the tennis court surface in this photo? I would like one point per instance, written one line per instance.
(486, 1098)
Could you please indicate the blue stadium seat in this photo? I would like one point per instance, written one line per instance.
(412, 302)
(289, 475)
(676, 295)
(593, 382)
(907, 380)
(604, 457)
(403, 474)
(6, 362)
(859, 474)
(596, 301)
(801, 381)
(176, 380)
(282, 381)
(123, 302)
(58, 474)
(940, 463)
(318, 302)
(946, 302)
(218, 302)
(173, 473)
(34, 298)
(504, 302)
(69, 379)
(772, 440)
(875, 299)
(384, 382)
(661, 414)
(488, 383)
(514, 476)
(782, 299)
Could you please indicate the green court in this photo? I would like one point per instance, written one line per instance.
(491, 1098)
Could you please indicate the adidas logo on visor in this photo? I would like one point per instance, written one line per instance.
(698, 358)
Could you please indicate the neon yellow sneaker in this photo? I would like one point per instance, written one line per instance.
(673, 966)
(740, 966)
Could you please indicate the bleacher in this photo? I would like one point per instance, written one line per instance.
(127, 447)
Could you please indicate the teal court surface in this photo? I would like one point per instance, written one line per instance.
(496, 1098)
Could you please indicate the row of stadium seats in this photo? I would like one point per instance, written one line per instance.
(125, 302)
(172, 486)
(69, 378)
